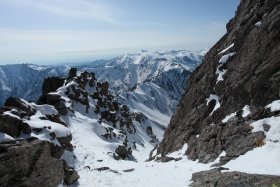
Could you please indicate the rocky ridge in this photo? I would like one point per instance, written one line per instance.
(45, 128)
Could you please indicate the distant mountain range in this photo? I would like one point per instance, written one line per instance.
(128, 73)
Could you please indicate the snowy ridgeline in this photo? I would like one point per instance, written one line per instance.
(149, 82)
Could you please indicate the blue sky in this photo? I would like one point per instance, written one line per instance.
(53, 31)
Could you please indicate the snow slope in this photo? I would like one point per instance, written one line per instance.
(93, 156)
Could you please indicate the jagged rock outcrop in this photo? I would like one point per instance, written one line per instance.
(26, 160)
(216, 178)
(240, 73)
(51, 84)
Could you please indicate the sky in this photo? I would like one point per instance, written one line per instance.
(68, 31)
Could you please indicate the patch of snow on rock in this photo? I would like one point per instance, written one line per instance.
(265, 159)
(220, 74)
(258, 24)
(179, 153)
(225, 58)
(246, 111)
(226, 49)
(5, 137)
(273, 133)
(46, 109)
(216, 98)
(274, 106)
(228, 117)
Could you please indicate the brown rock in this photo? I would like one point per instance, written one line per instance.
(34, 165)
(13, 126)
(252, 78)
(51, 84)
(21, 105)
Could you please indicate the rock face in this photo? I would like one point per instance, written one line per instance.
(241, 69)
(13, 126)
(51, 84)
(35, 166)
(215, 178)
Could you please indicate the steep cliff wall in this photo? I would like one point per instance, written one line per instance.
(240, 75)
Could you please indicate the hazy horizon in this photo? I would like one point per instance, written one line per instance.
(69, 31)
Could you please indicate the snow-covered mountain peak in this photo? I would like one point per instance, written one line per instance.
(184, 56)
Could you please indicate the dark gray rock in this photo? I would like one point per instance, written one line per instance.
(56, 151)
(102, 168)
(266, 127)
(56, 119)
(66, 142)
(29, 164)
(51, 84)
(17, 103)
(167, 159)
(128, 170)
(56, 101)
(72, 73)
(215, 178)
(13, 126)
(71, 175)
(61, 108)
(122, 152)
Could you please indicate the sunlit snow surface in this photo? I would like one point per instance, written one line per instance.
(265, 159)
(226, 49)
(5, 137)
(274, 106)
(90, 150)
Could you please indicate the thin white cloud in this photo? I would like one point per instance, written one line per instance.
(19, 45)
(80, 9)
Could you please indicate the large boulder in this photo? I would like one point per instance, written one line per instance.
(72, 73)
(216, 178)
(54, 100)
(29, 164)
(13, 126)
(70, 176)
(51, 84)
(122, 152)
(13, 102)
